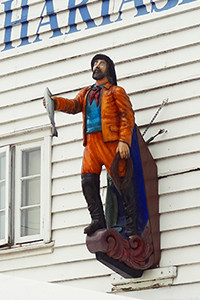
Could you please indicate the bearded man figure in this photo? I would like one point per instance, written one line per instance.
(108, 122)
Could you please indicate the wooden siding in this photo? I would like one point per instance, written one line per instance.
(157, 57)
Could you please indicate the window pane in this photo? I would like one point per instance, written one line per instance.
(2, 225)
(2, 195)
(31, 162)
(30, 221)
(30, 192)
(2, 166)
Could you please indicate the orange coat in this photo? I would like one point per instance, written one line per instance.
(117, 116)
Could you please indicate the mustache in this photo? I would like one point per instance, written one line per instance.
(97, 74)
(97, 70)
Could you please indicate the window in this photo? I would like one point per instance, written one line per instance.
(30, 192)
(23, 217)
(4, 195)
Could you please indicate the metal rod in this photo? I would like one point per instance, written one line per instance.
(155, 115)
(153, 137)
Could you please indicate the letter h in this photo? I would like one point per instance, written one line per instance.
(9, 24)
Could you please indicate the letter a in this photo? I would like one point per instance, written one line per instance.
(52, 21)
(84, 14)
(139, 5)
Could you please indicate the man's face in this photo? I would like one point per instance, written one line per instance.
(99, 69)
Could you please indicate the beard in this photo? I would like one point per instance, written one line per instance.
(98, 74)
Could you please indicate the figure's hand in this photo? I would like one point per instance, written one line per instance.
(123, 150)
(43, 100)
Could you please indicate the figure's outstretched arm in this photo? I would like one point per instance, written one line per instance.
(70, 106)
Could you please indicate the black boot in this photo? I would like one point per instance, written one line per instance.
(91, 191)
(130, 210)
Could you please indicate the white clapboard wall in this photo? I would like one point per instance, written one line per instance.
(157, 57)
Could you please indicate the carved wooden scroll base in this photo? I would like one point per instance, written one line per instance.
(136, 253)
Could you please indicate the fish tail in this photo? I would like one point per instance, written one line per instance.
(54, 131)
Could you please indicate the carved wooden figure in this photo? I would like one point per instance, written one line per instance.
(129, 244)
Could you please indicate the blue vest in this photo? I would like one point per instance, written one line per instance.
(93, 115)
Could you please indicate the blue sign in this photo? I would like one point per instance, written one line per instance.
(73, 9)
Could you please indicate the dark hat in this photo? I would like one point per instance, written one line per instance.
(111, 66)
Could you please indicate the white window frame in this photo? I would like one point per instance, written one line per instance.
(45, 192)
(6, 150)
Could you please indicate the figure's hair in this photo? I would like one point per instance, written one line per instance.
(111, 67)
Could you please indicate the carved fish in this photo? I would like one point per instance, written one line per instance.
(49, 103)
